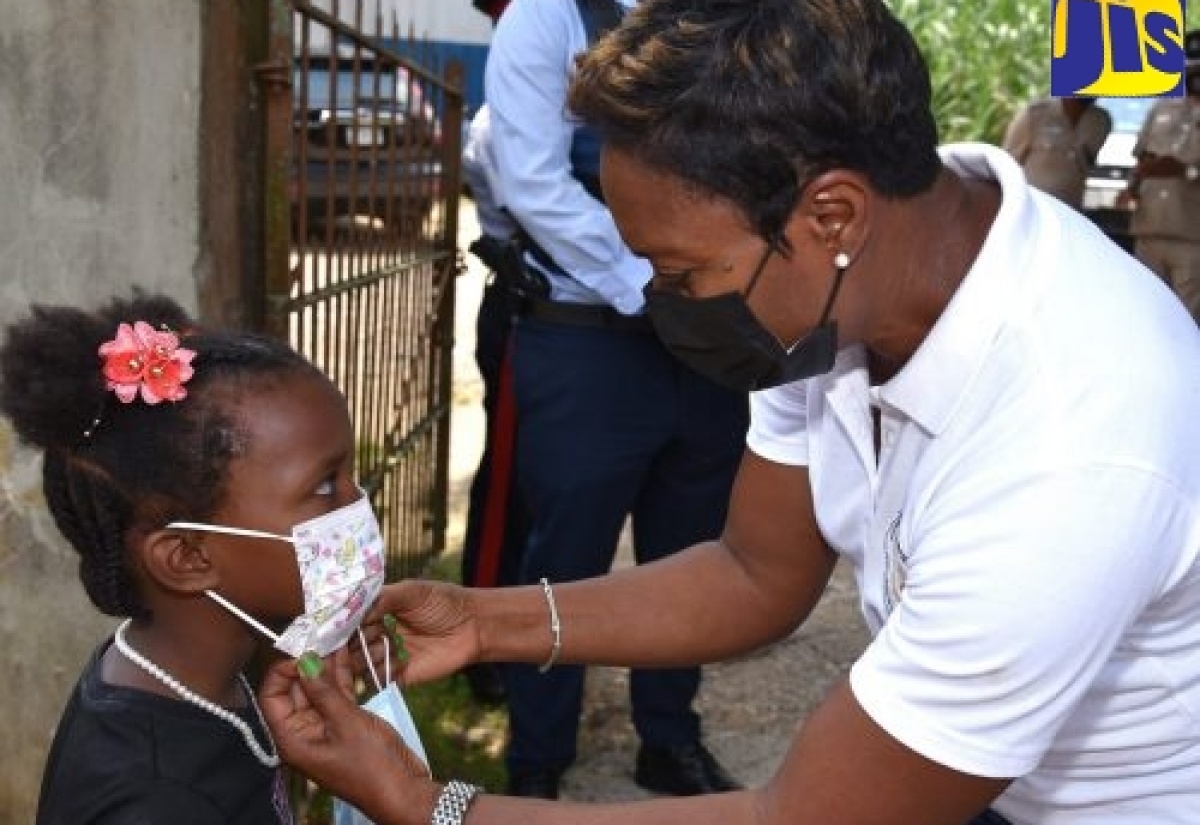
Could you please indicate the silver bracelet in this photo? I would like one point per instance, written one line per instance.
(452, 803)
(555, 628)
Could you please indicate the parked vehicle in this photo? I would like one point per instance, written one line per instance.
(366, 145)
(446, 31)
(1114, 165)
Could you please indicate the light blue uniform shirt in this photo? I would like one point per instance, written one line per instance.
(479, 172)
(529, 66)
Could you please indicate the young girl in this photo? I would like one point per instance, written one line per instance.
(205, 479)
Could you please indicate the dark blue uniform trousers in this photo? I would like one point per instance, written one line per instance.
(611, 425)
(496, 518)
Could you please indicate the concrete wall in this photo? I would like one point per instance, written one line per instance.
(99, 117)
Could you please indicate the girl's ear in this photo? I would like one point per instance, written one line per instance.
(175, 561)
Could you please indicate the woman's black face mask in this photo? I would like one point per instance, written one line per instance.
(720, 338)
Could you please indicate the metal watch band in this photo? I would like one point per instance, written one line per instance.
(452, 803)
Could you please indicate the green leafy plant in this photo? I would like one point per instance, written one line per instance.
(462, 739)
(986, 58)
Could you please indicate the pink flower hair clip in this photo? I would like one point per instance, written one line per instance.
(143, 359)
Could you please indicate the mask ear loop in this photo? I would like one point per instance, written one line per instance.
(387, 661)
(841, 262)
(242, 614)
(229, 531)
(758, 269)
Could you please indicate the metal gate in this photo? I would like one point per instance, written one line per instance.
(364, 148)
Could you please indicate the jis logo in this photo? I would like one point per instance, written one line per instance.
(1117, 48)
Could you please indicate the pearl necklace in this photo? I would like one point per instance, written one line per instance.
(269, 760)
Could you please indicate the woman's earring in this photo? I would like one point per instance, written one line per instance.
(841, 260)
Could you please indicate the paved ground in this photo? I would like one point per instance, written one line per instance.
(751, 706)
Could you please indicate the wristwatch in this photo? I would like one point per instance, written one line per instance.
(452, 803)
(1191, 172)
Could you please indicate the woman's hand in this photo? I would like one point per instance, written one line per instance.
(320, 730)
(432, 623)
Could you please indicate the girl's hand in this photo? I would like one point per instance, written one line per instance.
(431, 623)
(320, 730)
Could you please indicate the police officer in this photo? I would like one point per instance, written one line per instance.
(1165, 185)
(1056, 141)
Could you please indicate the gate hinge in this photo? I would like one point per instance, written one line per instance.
(276, 75)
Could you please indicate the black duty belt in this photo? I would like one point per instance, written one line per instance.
(583, 315)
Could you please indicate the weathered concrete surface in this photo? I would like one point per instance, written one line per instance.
(99, 112)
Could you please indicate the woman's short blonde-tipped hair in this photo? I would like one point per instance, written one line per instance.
(750, 99)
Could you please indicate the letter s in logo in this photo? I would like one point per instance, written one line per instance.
(1164, 42)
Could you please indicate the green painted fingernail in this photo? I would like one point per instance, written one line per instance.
(389, 623)
(310, 665)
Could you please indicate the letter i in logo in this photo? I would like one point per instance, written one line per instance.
(1120, 48)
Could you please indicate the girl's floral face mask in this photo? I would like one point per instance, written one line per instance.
(341, 561)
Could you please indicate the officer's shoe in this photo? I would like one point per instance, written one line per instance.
(534, 784)
(684, 770)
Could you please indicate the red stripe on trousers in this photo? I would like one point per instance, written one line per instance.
(503, 442)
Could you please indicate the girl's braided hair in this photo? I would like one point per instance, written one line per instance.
(141, 465)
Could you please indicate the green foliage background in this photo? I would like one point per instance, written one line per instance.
(986, 58)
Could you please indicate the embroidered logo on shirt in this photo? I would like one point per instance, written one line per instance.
(895, 565)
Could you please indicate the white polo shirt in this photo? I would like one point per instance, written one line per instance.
(1027, 542)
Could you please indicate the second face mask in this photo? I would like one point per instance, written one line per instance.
(388, 705)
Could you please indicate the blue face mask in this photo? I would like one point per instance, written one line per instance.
(388, 705)
(720, 338)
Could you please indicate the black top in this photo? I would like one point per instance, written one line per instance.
(122, 756)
